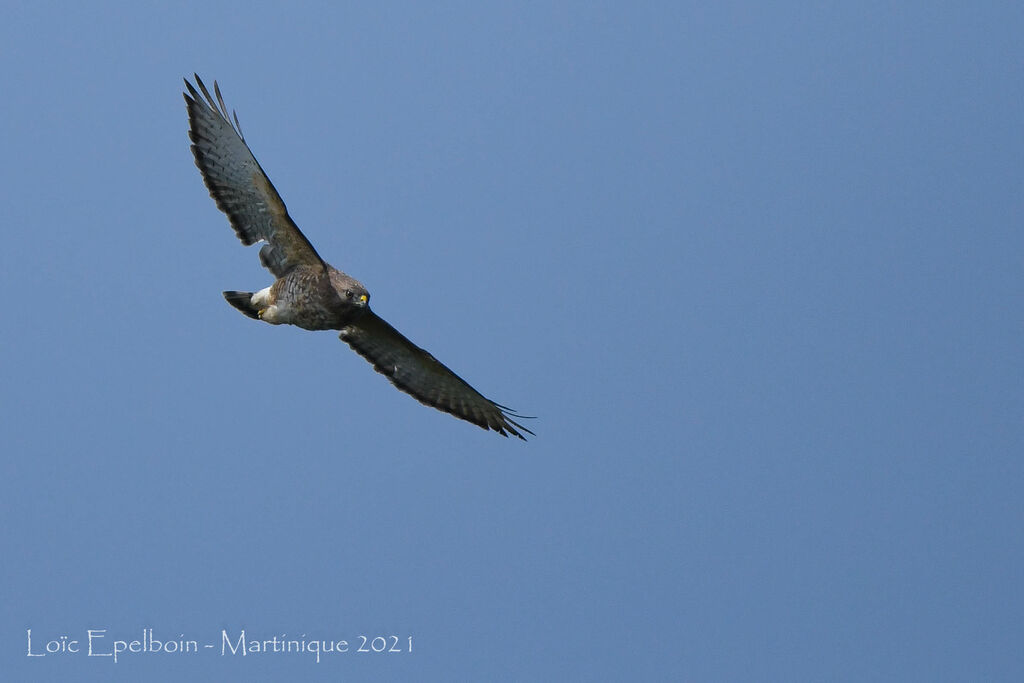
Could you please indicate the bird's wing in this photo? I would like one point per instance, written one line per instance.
(419, 374)
(240, 187)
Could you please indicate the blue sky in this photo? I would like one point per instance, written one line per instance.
(757, 270)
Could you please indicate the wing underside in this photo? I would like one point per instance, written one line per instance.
(419, 374)
(239, 185)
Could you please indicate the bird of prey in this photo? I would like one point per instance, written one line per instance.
(308, 292)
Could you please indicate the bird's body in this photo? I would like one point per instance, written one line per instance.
(309, 297)
(308, 292)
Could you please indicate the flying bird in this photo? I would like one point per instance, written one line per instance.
(309, 292)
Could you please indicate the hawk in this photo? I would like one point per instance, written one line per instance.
(309, 292)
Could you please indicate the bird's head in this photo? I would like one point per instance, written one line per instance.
(350, 290)
(357, 296)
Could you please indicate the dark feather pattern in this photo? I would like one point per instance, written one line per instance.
(422, 376)
(239, 185)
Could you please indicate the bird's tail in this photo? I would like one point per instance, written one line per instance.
(243, 302)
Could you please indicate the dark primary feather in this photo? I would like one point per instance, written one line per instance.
(419, 374)
(239, 185)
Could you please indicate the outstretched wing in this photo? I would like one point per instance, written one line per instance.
(418, 373)
(240, 187)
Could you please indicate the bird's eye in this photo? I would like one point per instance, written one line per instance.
(348, 293)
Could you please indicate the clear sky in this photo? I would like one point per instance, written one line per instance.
(757, 270)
